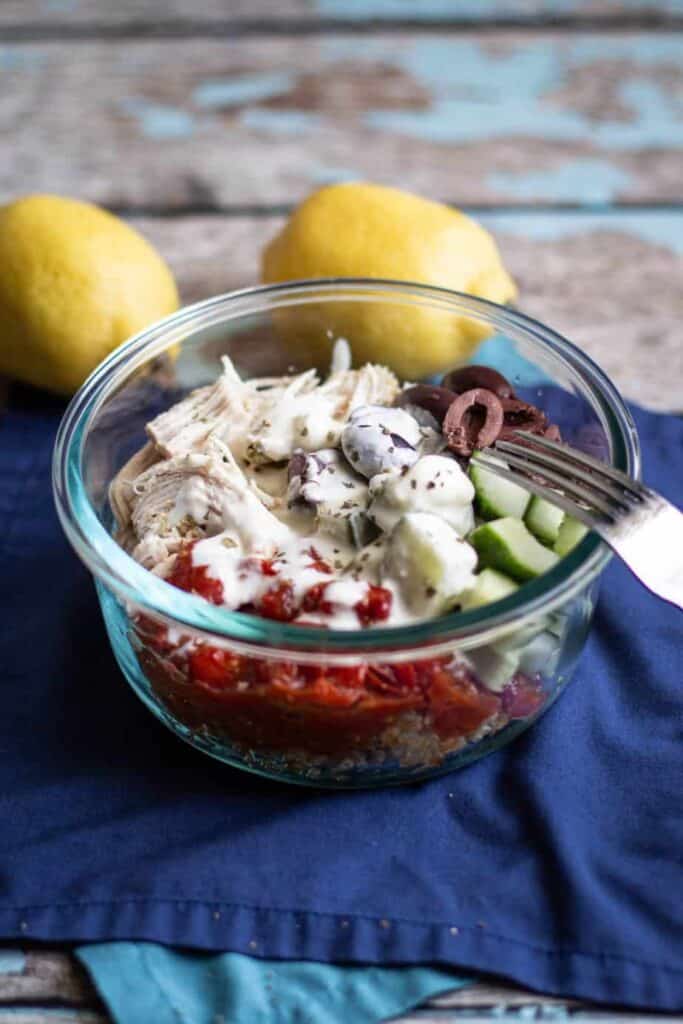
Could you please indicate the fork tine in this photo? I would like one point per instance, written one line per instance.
(549, 460)
(561, 500)
(589, 461)
(522, 473)
(576, 491)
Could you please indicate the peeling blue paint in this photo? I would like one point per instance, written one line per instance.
(20, 60)
(656, 227)
(477, 94)
(237, 90)
(281, 121)
(12, 961)
(596, 181)
(160, 122)
(644, 49)
(431, 10)
(323, 175)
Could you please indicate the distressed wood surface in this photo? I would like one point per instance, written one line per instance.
(42, 976)
(55, 980)
(610, 282)
(206, 137)
(53, 1015)
(137, 14)
(503, 117)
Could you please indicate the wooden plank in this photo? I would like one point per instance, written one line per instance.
(42, 1015)
(55, 976)
(520, 118)
(610, 282)
(535, 1012)
(490, 993)
(52, 976)
(145, 13)
(43, 976)
(481, 1003)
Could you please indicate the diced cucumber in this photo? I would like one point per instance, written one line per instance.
(489, 586)
(570, 533)
(544, 519)
(507, 545)
(494, 668)
(495, 497)
(541, 655)
(432, 565)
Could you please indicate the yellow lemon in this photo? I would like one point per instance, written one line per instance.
(75, 282)
(364, 230)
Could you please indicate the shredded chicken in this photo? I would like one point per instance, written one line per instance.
(189, 482)
(121, 487)
(186, 426)
(191, 496)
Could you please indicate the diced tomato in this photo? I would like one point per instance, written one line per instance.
(316, 707)
(314, 600)
(459, 706)
(375, 606)
(214, 665)
(195, 578)
(406, 675)
(278, 603)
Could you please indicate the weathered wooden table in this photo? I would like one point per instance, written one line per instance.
(559, 123)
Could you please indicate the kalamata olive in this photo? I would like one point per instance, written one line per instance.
(474, 420)
(323, 480)
(519, 415)
(378, 438)
(297, 465)
(467, 378)
(435, 400)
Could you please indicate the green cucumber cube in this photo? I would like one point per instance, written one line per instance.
(508, 546)
(571, 532)
(496, 497)
(489, 586)
(544, 519)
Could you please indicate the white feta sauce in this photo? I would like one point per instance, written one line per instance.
(432, 565)
(328, 486)
(435, 484)
(191, 502)
(378, 439)
(278, 482)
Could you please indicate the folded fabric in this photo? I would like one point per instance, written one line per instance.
(144, 982)
(555, 861)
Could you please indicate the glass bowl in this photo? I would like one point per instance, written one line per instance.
(308, 705)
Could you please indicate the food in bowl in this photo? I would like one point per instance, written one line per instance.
(348, 503)
(319, 705)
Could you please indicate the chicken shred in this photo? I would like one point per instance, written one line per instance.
(194, 477)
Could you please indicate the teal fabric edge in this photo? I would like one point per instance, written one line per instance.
(144, 981)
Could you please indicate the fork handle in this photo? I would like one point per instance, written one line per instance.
(652, 547)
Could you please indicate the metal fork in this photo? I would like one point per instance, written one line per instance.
(644, 529)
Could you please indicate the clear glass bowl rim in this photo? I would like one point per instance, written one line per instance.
(251, 634)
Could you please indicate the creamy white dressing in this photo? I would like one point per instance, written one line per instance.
(435, 483)
(295, 472)
(297, 562)
(191, 502)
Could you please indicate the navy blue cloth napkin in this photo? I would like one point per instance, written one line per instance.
(555, 862)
